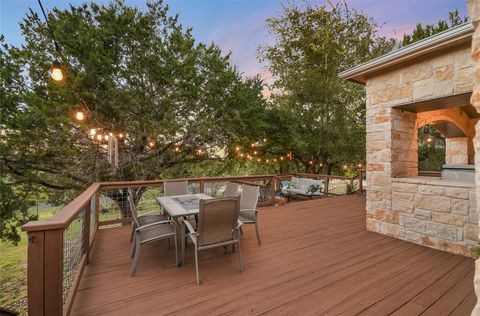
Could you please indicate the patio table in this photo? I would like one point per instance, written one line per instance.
(179, 206)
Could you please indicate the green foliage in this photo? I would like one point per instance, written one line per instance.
(475, 251)
(423, 31)
(314, 113)
(140, 73)
(431, 149)
(14, 204)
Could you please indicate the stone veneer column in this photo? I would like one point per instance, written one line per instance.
(474, 11)
(456, 150)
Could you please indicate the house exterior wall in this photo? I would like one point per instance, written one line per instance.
(391, 151)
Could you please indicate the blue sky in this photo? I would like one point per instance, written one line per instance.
(239, 25)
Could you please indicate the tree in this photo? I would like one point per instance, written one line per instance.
(132, 72)
(321, 117)
(423, 31)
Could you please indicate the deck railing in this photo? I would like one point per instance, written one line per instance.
(58, 249)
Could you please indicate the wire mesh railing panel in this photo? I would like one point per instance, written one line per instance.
(73, 249)
(193, 188)
(342, 186)
(147, 202)
(114, 202)
(215, 189)
(93, 216)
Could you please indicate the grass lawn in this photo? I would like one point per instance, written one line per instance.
(13, 269)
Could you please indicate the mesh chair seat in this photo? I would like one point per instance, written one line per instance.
(247, 217)
(156, 232)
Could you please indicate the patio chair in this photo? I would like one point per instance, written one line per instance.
(149, 233)
(218, 226)
(144, 219)
(231, 190)
(248, 207)
(171, 188)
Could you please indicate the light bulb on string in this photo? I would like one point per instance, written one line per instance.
(56, 74)
(359, 165)
(321, 164)
(151, 144)
(259, 160)
(237, 148)
(199, 152)
(281, 158)
(252, 144)
(429, 140)
(344, 166)
(267, 161)
(177, 149)
(93, 132)
(311, 162)
(274, 159)
(79, 116)
(255, 152)
(106, 137)
(241, 155)
(120, 135)
(99, 137)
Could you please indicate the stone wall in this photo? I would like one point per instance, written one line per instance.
(432, 212)
(456, 150)
(391, 151)
(474, 11)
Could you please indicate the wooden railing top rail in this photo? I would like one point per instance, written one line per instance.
(66, 215)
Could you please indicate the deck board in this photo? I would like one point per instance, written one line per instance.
(316, 258)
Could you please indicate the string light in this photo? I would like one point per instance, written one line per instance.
(200, 151)
(359, 165)
(311, 162)
(253, 145)
(99, 137)
(151, 144)
(79, 116)
(259, 160)
(106, 137)
(241, 155)
(344, 166)
(275, 159)
(237, 148)
(321, 164)
(281, 158)
(56, 74)
(264, 140)
(429, 140)
(93, 132)
(120, 135)
(267, 161)
(177, 149)
(255, 152)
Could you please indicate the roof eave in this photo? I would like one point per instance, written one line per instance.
(442, 40)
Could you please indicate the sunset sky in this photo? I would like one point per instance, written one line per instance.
(239, 25)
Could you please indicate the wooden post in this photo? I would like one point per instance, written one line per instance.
(272, 201)
(35, 273)
(327, 181)
(360, 181)
(202, 186)
(53, 277)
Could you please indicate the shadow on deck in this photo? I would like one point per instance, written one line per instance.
(316, 258)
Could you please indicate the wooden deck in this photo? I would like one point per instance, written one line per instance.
(316, 258)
